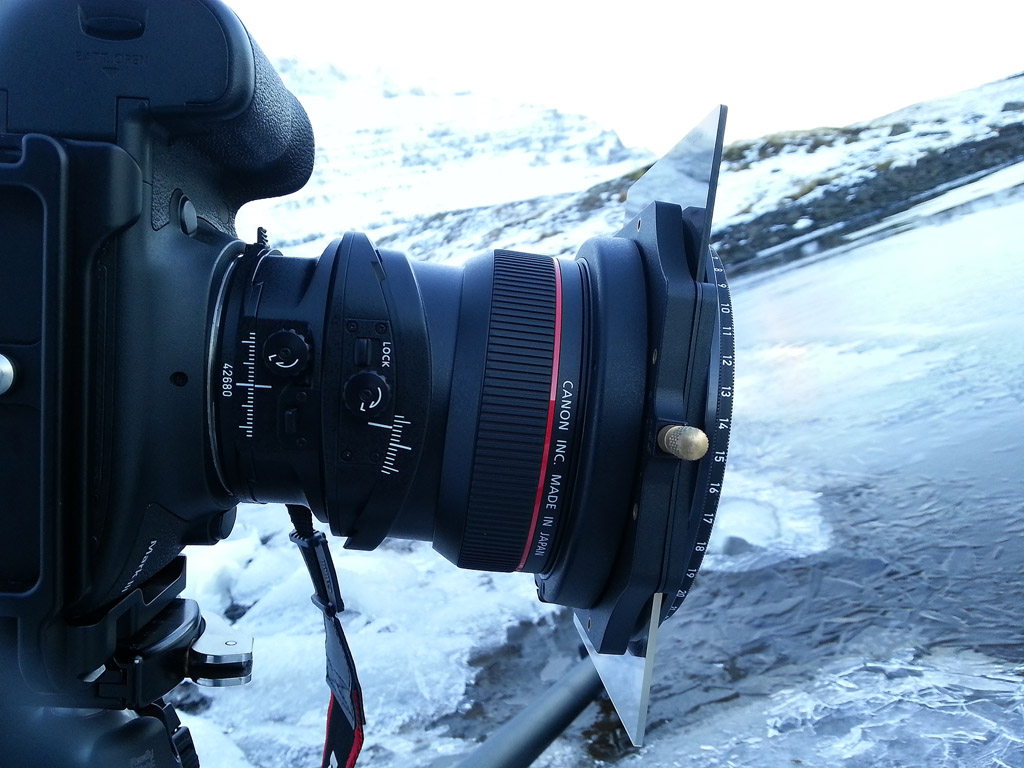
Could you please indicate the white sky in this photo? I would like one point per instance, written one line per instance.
(652, 69)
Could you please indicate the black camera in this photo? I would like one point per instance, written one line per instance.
(568, 418)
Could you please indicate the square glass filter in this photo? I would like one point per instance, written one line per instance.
(627, 678)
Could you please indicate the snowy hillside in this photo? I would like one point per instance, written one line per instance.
(796, 194)
(861, 605)
(388, 160)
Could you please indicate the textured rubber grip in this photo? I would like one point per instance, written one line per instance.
(514, 410)
(267, 150)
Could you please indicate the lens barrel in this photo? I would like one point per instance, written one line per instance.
(420, 400)
(520, 473)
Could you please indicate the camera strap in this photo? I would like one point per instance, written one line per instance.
(345, 715)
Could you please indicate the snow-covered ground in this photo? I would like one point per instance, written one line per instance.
(861, 605)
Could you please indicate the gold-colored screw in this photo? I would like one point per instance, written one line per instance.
(683, 442)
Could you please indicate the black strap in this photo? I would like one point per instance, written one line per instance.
(345, 717)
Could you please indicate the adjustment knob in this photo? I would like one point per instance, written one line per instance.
(366, 394)
(286, 353)
(683, 442)
(6, 374)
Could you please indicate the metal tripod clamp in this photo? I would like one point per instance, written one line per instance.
(220, 659)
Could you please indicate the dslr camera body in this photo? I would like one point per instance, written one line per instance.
(568, 418)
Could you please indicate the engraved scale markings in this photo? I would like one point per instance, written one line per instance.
(719, 430)
(250, 386)
(394, 445)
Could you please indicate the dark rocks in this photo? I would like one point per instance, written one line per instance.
(736, 545)
(188, 697)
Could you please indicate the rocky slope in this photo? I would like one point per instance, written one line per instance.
(863, 173)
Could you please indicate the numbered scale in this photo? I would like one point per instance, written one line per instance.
(719, 427)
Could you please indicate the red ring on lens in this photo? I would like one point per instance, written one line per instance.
(553, 399)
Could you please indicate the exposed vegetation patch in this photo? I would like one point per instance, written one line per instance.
(742, 154)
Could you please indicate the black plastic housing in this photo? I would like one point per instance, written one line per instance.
(125, 152)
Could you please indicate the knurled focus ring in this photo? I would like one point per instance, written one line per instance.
(514, 405)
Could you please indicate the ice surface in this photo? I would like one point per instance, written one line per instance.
(918, 328)
(939, 708)
(763, 519)
(942, 710)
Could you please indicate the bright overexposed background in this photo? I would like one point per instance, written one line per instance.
(649, 70)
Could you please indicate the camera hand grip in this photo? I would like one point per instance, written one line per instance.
(265, 151)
